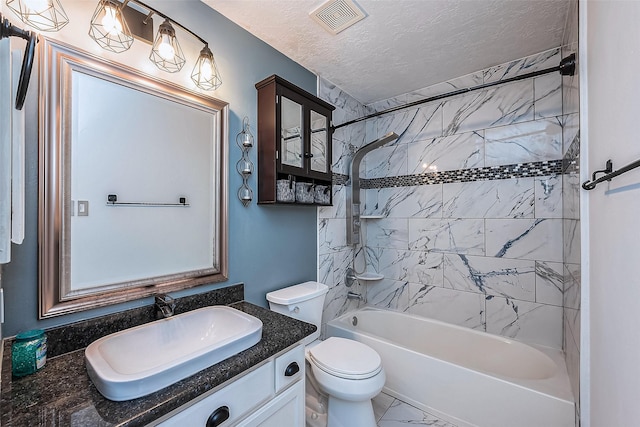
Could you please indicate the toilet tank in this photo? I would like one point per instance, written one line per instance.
(303, 302)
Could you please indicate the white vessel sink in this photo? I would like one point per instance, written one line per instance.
(138, 361)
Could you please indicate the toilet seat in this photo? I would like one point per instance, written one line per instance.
(345, 358)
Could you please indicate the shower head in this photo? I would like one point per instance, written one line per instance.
(354, 170)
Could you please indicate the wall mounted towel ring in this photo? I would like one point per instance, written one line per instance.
(8, 30)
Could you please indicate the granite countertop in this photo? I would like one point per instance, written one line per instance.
(61, 394)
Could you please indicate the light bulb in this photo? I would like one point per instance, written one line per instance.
(206, 69)
(110, 21)
(204, 74)
(165, 50)
(37, 6)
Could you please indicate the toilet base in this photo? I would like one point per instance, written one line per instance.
(314, 419)
(344, 413)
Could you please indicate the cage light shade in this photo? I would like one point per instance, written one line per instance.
(109, 28)
(205, 73)
(43, 15)
(166, 52)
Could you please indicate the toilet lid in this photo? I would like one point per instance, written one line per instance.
(346, 358)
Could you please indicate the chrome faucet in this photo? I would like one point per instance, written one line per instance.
(354, 295)
(165, 305)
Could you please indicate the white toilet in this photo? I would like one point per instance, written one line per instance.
(348, 371)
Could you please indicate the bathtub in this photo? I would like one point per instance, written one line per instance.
(463, 376)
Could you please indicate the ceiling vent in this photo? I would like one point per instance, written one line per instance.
(337, 15)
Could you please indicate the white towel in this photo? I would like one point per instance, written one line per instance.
(5, 151)
(17, 156)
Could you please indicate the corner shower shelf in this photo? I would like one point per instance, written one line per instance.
(369, 276)
(371, 216)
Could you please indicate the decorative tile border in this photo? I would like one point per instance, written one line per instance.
(339, 179)
(518, 170)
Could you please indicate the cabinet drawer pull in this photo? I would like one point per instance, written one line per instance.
(292, 369)
(218, 416)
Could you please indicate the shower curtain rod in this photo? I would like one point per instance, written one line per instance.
(566, 68)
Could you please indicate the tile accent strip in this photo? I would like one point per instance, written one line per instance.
(518, 170)
(339, 179)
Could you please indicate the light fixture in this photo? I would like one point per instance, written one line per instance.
(43, 15)
(205, 74)
(166, 52)
(109, 28)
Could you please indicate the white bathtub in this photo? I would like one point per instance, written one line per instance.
(466, 377)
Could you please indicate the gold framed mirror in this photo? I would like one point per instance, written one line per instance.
(132, 181)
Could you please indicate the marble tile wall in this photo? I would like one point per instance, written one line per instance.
(482, 251)
(334, 255)
(571, 209)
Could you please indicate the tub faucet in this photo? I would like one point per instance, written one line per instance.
(354, 295)
(165, 305)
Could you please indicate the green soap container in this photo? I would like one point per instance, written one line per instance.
(28, 352)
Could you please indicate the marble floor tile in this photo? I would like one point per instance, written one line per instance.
(401, 414)
(381, 403)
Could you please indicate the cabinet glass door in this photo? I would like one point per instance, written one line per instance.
(291, 133)
(319, 142)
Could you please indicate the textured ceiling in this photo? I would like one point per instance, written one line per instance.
(403, 45)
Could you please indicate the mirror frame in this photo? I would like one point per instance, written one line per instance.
(57, 62)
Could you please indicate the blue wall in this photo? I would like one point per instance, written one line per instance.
(269, 246)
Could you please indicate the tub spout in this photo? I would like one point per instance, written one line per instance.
(354, 295)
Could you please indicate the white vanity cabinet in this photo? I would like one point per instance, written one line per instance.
(270, 395)
(286, 409)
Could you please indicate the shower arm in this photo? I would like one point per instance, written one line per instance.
(353, 189)
(354, 176)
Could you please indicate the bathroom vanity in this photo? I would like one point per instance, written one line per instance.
(258, 386)
(271, 395)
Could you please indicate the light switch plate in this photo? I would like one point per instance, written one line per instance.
(83, 208)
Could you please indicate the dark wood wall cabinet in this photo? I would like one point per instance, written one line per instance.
(294, 145)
